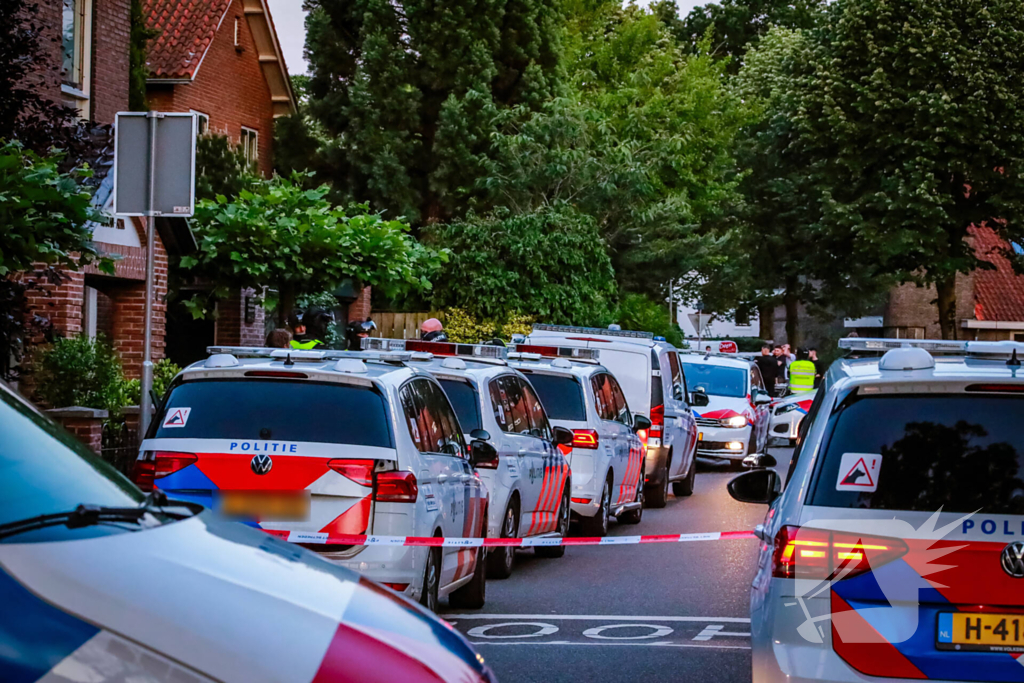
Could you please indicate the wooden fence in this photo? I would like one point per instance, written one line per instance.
(400, 325)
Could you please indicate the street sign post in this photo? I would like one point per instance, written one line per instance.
(154, 175)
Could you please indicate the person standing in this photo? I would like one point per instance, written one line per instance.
(432, 330)
(299, 338)
(780, 369)
(801, 374)
(769, 368)
(819, 366)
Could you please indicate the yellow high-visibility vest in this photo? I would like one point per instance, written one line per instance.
(306, 345)
(801, 376)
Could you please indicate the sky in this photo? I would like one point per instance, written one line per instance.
(289, 19)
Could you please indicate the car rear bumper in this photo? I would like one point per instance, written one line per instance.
(386, 564)
(654, 467)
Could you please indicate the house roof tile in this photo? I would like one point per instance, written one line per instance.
(998, 293)
(186, 29)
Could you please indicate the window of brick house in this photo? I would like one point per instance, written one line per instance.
(250, 141)
(76, 52)
(203, 122)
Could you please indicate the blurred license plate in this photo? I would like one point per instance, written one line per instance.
(266, 505)
(980, 632)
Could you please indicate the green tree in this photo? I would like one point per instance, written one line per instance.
(736, 25)
(405, 92)
(912, 117)
(549, 261)
(138, 70)
(221, 168)
(276, 234)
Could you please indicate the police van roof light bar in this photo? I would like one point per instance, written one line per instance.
(481, 352)
(966, 347)
(569, 352)
(307, 355)
(597, 331)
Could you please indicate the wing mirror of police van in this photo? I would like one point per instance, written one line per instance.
(641, 422)
(560, 436)
(756, 486)
(699, 398)
(677, 392)
(480, 435)
(482, 454)
(756, 462)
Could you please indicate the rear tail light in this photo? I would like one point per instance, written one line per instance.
(582, 501)
(359, 471)
(657, 421)
(397, 587)
(159, 464)
(396, 487)
(804, 553)
(584, 438)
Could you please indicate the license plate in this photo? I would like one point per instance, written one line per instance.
(265, 505)
(980, 632)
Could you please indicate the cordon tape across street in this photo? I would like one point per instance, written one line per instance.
(437, 541)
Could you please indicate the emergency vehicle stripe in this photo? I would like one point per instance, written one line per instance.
(439, 542)
(540, 503)
(551, 508)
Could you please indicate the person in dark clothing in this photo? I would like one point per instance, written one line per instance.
(819, 367)
(769, 367)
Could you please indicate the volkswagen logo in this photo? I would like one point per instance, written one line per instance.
(261, 463)
(1013, 559)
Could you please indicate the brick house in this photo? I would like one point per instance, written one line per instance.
(989, 302)
(85, 64)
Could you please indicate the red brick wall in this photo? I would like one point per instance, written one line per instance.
(129, 302)
(60, 304)
(45, 76)
(232, 330)
(228, 87)
(359, 310)
(111, 37)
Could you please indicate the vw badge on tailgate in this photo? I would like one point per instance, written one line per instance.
(261, 464)
(1013, 559)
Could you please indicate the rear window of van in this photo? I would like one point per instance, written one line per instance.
(318, 412)
(960, 452)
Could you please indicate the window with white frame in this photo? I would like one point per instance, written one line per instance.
(250, 142)
(203, 122)
(76, 52)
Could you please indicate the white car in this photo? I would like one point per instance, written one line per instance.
(787, 414)
(733, 418)
(895, 550)
(606, 455)
(329, 443)
(648, 371)
(526, 474)
(102, 583)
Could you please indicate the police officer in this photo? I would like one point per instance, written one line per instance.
(801, 373)
(357, 331)
(299, 340)
(432, 330)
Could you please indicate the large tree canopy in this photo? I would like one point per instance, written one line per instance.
(405, 92)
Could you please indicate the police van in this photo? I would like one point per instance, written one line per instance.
(894, 549)
(605, 454)
(318, 446)
(648, 371)
(515, 447)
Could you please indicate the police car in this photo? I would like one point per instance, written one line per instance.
(896, 549)
(730, 405)
(647, 369)
(787, 414)
(605, 454)
(326, 444)
(515, 447)
(100, 582)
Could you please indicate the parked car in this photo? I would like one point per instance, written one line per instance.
(101, 582)
(733, 420)
(605, 455)
(894, 550)
(515, 447)
(787, 414)
(647, 369)
(333, 443)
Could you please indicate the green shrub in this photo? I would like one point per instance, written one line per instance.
(464, 328)
(637, 312)
(79, 371)
(130, 390)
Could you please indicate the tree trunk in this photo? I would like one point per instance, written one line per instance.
(766, 321)
(946, 300)
(792, 303)
(285, 303)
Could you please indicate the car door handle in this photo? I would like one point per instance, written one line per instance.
(442, 478)
(464, 477)
(523, 452)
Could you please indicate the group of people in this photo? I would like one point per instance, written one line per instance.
(779, 366)
(307, 330)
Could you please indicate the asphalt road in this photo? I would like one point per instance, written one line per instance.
(659, 612)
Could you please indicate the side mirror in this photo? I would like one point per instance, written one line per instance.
(677, 392)
(640, 422)
(699, 399)
(560, 436)
(482, 453)
(756, 486)
(480, 435)
(760, 461)
(762, 399)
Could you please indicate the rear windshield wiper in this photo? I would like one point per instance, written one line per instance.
(91, 515)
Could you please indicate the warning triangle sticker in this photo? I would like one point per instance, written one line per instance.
(177, 417)
(859, 472)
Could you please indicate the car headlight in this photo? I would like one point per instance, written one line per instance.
(735, 422)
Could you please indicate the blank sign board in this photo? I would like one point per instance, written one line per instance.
(174, 172)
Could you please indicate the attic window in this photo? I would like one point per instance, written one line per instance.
(238, 34)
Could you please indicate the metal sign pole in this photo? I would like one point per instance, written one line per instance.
(146, 403)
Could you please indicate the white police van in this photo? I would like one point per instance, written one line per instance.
(318, 446)
(896, 549)
(514, 445)
(605, 455)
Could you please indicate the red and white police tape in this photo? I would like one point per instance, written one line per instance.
(319, 538)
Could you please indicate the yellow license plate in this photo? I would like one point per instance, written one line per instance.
(984, 632)
(265, 505)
